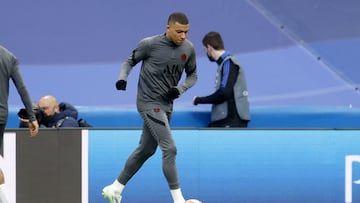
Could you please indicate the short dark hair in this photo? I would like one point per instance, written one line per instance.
(214, 39)
(178, 17)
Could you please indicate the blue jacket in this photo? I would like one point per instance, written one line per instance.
(67, 117)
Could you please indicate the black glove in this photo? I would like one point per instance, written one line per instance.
(173, 93)
(121, 85)
(196, 100)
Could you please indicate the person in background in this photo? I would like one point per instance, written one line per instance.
(230, 105)
(164, 59)
(57, 115)
(52, 114)
(9, 70)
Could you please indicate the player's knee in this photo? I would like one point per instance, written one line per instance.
(2, 179)
(170, 152)
(149, 152)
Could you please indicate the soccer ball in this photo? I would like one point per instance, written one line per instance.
(193, 201)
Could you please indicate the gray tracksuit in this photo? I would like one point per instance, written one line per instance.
(9, 70)
(162, 68)
(163, 64)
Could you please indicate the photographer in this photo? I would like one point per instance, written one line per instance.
(51, 114)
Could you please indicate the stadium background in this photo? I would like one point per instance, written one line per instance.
(293, 52)
(296, 54)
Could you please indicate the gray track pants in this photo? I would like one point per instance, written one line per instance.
(156, 132)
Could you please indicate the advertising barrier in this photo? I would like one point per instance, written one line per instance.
(220, 165)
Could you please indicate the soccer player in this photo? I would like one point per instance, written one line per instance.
(9, 70)
(164, 59)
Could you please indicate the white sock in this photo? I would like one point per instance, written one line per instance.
(177, 196)
(117, 185)
(3, 194)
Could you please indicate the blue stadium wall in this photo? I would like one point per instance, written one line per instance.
(234, 166)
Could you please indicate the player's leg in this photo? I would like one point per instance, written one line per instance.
(3, 194)
(146, 148)
(2, 131)
(158, 123)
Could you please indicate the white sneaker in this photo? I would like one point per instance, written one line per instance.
(111, 194)
(193, 201)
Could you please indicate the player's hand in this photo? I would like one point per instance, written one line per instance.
(196, 100)
(173, 93)
(121, 85)
(33, 128)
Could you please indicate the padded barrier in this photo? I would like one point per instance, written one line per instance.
(262, 117)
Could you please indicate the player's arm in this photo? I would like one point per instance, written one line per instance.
(25, 97)
(21, 88)
(138, 54)
(191, 73)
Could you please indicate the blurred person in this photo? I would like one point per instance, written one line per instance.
(56, 113)
(9, 70)
(230, 105)
(164, 59)
(51, 114)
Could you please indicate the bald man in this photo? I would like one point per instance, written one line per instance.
(54, 114)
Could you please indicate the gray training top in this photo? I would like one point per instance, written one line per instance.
(9, 70)
(162, 68)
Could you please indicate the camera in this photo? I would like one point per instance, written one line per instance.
(39, 113)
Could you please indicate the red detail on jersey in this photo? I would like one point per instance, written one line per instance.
(183, 57)
(156, 110)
